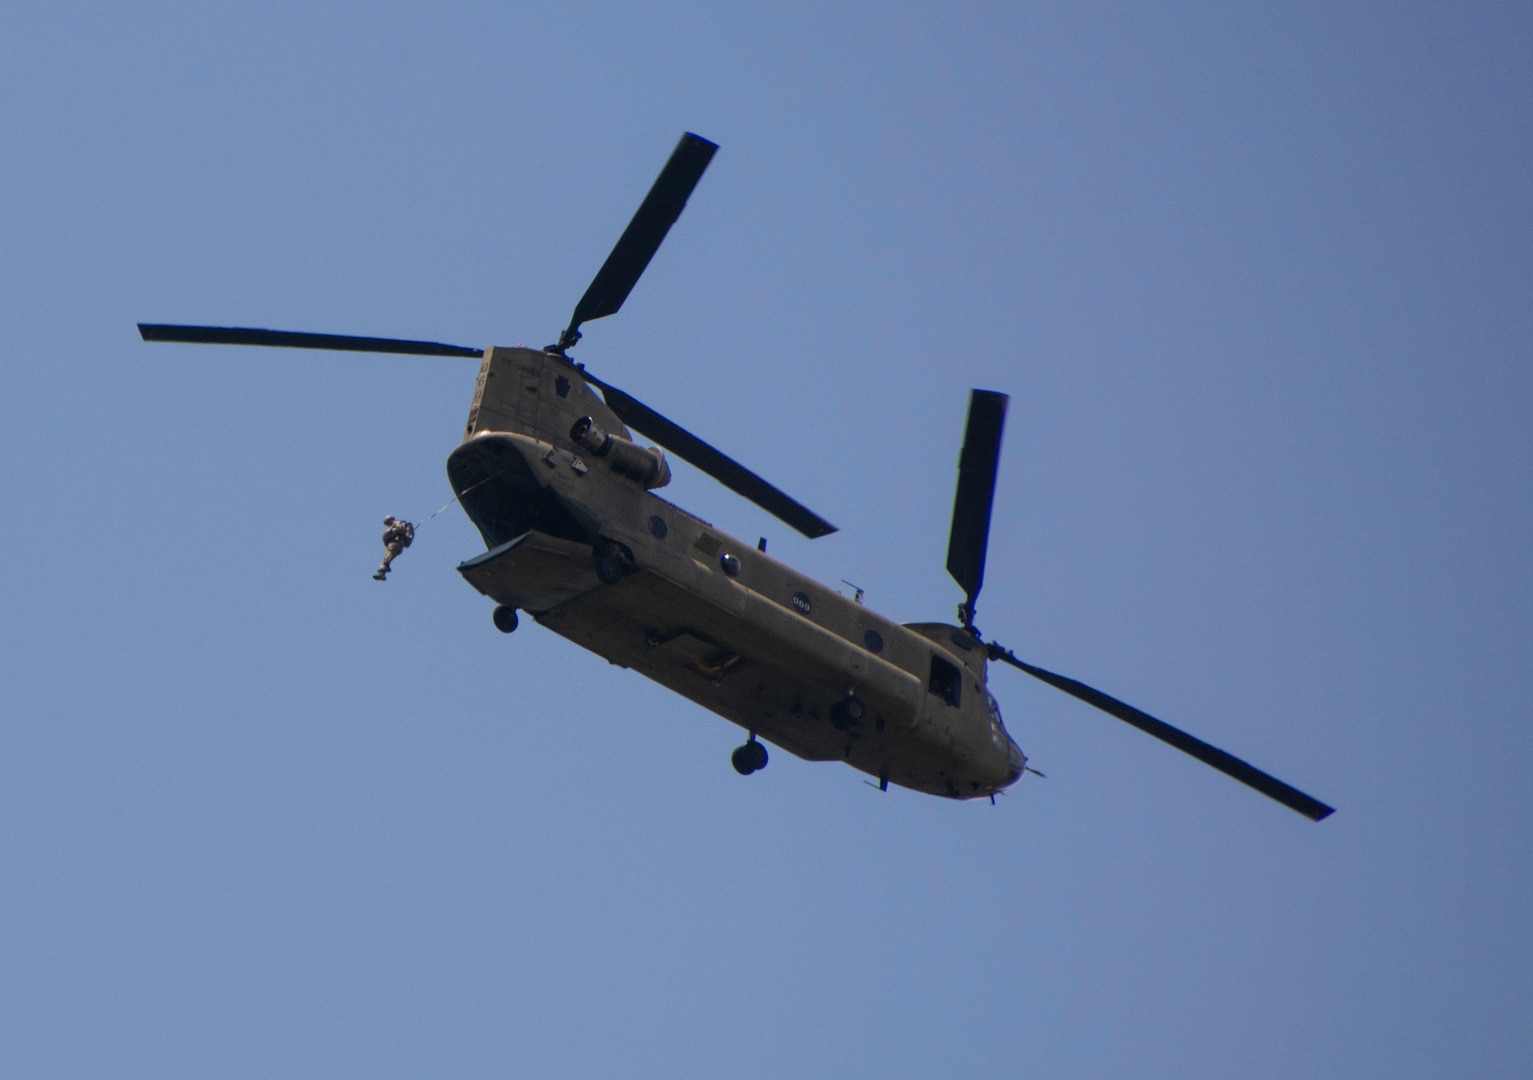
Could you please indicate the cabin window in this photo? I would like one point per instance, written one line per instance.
(946, 680)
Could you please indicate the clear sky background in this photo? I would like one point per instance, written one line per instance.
(1259, 279)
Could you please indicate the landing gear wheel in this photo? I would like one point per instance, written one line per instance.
(848, 713)
(752, 757)
(613, 563)
(505, 618)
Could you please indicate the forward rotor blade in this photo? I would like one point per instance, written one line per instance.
(289, 339)
(727, 471)
(639, 242)
(970, 534)
(1228, 764)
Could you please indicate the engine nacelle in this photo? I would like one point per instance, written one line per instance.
(646, 466)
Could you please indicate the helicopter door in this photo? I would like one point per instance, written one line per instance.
(946, 680)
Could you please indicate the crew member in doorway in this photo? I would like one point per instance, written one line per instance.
(396, 537)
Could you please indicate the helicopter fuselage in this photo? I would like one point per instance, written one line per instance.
(577, 540)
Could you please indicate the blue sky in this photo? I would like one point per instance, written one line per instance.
(1258, 281)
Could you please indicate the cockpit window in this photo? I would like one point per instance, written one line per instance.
(993, 707)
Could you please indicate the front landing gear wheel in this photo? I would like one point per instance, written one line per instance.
(505, 618)
(752, 757)
(848, 712)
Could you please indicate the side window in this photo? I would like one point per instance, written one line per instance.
(945, 681)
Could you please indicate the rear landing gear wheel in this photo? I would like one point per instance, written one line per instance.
(613, 563)
(752, 757)
(505, 618)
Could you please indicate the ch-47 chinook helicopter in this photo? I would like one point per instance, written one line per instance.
(577, 539)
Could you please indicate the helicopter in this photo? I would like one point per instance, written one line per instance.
(576, 537)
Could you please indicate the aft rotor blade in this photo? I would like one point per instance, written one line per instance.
(289, 339)
(639, 242)
(981, 454)
(723, 468)
(1228, 764)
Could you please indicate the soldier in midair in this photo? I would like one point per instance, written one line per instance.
(397, 536)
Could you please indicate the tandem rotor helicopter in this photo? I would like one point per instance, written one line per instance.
(577, 538)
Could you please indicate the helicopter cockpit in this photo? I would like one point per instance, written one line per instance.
(998, 733)
(993, 707)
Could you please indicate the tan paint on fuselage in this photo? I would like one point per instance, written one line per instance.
(734, 644)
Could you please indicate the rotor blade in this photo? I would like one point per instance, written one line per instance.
(727, 471)
(977, 463)
(289, 339)
(1228, 764)
(639, 242)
